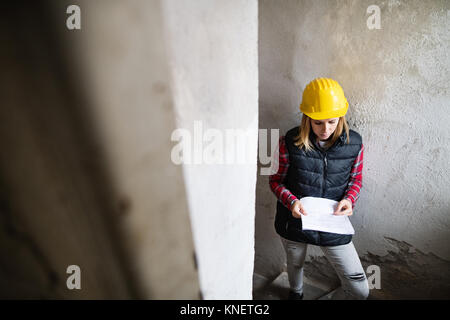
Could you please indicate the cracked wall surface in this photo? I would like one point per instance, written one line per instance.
(406, 273)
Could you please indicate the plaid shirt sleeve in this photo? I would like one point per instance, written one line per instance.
(276, 180)
(355, 183)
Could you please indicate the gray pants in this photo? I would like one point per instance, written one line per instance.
(345, 261)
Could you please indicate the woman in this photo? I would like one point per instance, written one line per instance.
(320, 158)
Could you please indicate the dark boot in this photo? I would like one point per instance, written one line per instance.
(295, 296)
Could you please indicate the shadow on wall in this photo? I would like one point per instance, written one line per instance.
(58, 205)
(275, 111)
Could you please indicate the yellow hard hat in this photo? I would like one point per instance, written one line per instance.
(323, 98)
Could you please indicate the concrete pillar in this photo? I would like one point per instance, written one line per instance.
(213, 58)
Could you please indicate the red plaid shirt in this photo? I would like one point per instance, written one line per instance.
(287, 198)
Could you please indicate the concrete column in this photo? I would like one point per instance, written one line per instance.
(213, 50)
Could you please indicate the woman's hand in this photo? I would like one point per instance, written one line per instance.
(344, 208)
(297, 210)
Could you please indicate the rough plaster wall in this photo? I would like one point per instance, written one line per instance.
(215, 77)
(53, 187)
(122, 64)
(397, 82)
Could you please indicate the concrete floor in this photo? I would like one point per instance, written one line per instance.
(278, 289)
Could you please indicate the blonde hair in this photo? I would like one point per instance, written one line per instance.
(302, 139)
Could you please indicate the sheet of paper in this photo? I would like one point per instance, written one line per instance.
(320, 216)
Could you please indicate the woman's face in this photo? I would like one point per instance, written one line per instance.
(324, 128)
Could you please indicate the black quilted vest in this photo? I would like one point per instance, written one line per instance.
(316, 173)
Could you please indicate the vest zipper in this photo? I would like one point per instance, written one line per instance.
(325, 169)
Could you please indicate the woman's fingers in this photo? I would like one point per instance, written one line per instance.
(298, 210)
(302, 210)
(346, 212)
(296, 213)
(344, 208)
(341, 205)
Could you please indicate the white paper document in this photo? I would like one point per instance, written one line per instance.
(320, 216)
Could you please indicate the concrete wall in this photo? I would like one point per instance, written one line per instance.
(213, 49)
(87, 179)
(397, 82)
(57, 202)
(126, 72)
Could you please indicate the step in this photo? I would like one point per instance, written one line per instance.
(279, 289)
(259, 282)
